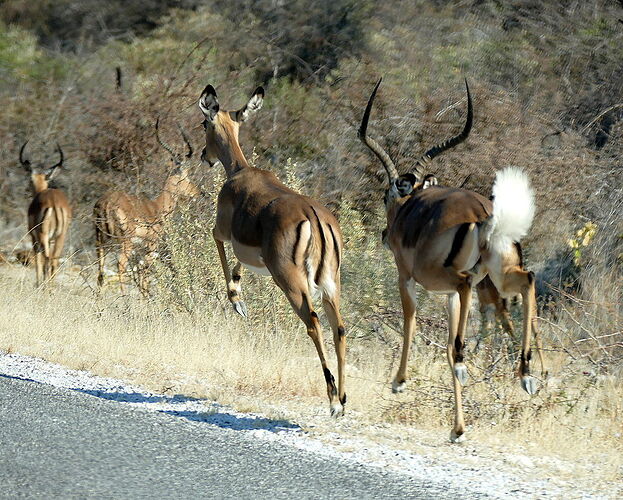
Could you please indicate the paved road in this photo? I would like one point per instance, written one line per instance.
(61, 443)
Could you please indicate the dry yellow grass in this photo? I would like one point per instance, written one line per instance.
(271, 367)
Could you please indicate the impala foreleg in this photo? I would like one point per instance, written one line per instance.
(233, 284)
(407, 297)
(332, 310)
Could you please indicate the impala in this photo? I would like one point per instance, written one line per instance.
(49, 216)
(126, 220)
(275, 231)
(447, 240)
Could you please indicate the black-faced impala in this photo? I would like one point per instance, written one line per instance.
(49, 216)
(447, 240)
(275, 231)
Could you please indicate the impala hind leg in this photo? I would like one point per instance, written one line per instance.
(458, 310)
(297, 293)
(332, 310)
(99, 250)
(407, 297)
(518, 280)
(56, 253)
(233, 282)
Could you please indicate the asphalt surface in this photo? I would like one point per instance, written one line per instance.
(62, 443)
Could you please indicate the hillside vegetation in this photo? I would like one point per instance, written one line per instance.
(547, 81)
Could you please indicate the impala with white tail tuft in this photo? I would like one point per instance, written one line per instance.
(447, 240)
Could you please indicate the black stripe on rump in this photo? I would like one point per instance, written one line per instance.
(335, 246)
(296, 242)
(457, 244)
(519, 253)
(323, 249)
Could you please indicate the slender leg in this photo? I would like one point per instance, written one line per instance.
(458, 310)
(407, 297)
(294, 285)
(233, 286)
(332, 310)
(39, 266)
(528, 295)
(122, 264)
(59, 243)
(99, 248)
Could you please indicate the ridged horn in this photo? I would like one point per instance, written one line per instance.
(60, 152)
(164, 145)
(450, 143)
(186, 140)
(25, 163)
(374, 146)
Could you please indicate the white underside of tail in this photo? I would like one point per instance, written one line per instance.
(513, 209)
(326, 286)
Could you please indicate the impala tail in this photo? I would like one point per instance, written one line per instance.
(320, 243)
(513, 209)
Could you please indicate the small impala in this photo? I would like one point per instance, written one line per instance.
(275, 231)
(126, 220)
(49, 216)
(447, 240)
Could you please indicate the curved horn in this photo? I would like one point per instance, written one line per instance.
(25, 163)
(371, 143)
(164, 145)
(60, 151)
(186, 140)
(450, 143)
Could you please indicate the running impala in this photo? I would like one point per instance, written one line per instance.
(274, 230)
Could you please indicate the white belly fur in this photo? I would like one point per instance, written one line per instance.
(250, 257)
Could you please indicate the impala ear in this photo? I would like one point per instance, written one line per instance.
(254, 104)
(404, 184)
(429, 180)
(209, 103)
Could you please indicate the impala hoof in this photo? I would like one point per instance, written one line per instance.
(240, 307)
(456, 437)
(529, 384)
(460, 372)
(398, 387)
(337, 410)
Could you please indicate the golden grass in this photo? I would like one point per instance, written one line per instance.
(271, 367)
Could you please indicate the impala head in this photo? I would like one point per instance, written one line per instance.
(222, 127)
(180, 186)
(40, 173)
(401, 187)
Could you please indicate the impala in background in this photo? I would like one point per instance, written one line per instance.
(49, 216)
(125, 220)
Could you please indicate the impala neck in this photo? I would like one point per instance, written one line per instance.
(39, 183)
(229, 152)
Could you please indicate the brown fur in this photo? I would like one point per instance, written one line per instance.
(121, 218)
(272, 227)
(49, 217)
(435, 236)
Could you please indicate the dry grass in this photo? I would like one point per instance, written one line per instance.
(268, 365)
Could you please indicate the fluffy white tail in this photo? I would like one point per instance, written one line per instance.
(513, 209)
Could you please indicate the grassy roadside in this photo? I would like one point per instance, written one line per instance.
(271, 367)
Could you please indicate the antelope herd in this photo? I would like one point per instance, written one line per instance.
(446, 239)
